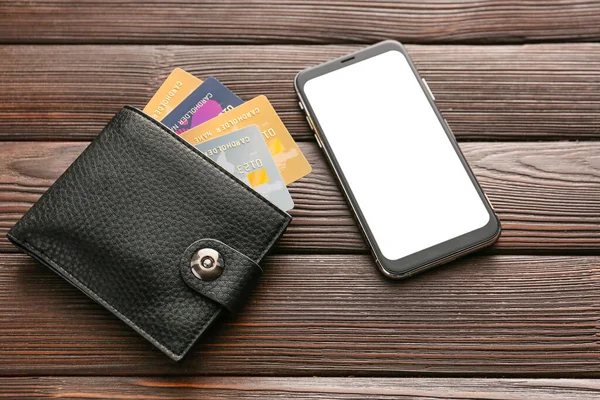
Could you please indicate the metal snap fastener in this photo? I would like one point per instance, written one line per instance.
(207, 264)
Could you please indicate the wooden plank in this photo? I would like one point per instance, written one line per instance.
(546, 194)
(298, 388)
(486, 92)
(534, 316)
(261, 21)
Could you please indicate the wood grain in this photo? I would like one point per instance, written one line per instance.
(261, 21)
(181, 388)
(546, 194)
(533, 316)
(505, 314)
(486, 92)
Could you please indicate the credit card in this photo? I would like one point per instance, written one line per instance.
(244, 153)
(173, 91)
(207, 101)
(289, 159)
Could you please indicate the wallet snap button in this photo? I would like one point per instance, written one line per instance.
(207, 264)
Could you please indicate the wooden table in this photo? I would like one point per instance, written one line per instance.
(518, 81)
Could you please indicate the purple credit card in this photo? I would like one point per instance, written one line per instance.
(210, 99)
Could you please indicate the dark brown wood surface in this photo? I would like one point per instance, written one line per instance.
(237, 387)
(520, 92)
(547, 194)
(331, 315)
(281, 21)
(518, 81)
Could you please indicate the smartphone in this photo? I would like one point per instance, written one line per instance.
(396, 159)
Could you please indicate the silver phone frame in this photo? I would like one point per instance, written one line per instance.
(432, 256)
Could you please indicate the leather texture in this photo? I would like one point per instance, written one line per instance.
(231, 288)
(117, 223)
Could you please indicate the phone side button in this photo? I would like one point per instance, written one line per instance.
(301, 106)
(428, 88)
(318, 141)
(312, 128)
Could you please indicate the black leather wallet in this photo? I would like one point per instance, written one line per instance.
(150, 228)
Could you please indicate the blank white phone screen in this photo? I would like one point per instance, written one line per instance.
(402, 169)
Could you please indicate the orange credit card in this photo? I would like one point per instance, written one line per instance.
(287, 155)
(173, 91)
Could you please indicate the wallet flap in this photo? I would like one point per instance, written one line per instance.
(219, 272)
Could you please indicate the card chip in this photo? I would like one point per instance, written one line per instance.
(258, 177)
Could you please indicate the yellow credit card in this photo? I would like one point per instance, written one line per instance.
(173, 91)
(287, 156)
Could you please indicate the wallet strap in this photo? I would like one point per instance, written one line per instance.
(219, 272)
